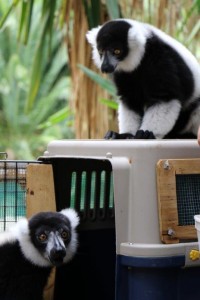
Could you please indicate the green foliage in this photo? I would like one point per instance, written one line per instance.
(106, 84)
(34, 87)
(113, 9)
(110, 103)
(103, 82)
(93, 10)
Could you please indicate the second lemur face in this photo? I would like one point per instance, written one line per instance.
(48, 238)
(51, 236)
(110, 44)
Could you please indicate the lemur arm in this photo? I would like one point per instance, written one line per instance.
(129, 122)
(160, 118)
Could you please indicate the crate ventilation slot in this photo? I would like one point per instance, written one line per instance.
(87, 185)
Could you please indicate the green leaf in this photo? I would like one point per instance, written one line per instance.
(25, 20)
(198, 5)
(110, 103)
(28, 20)
(52, 8)
(93, 12)
(56, 118)
(104, 83)
(193, 33)
(37, 68)
(113, 9)
(22, 19)
(11, 7)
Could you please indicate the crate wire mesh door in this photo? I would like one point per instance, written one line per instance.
(12, 192)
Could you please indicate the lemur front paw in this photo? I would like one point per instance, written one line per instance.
(112, 135)
(141, 134)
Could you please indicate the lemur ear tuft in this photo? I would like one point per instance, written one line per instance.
(91, 35)
(72, 215)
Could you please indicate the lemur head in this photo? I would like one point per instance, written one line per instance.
(117, 45)
(49, 238)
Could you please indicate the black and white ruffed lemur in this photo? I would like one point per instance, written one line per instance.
(156, 77)
(30, 249)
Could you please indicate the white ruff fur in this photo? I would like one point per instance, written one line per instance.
(74, 220)
(129, 121)
(137, 37)
(20, 232)
(28, 249)
(161, 118)
(91, 37)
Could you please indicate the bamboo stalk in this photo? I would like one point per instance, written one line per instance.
(91, 117)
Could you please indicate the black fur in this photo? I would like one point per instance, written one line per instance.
(112, 37)
(20, 279)
(162, 74)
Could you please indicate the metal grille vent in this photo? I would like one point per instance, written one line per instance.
(12, 192)
(188, 198)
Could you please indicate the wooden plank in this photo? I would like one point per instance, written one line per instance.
(41, 197)
(40, 189)
(186, 232)
(186, 166)
(168, 215)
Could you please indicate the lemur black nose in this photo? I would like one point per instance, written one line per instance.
(57, 256)
(58, 253)
(107, 68)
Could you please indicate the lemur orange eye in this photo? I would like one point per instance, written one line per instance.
(117, 51)
(65, 235)
(42, 237)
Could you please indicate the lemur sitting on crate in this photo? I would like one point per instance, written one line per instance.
(30, 249)
(157, 80)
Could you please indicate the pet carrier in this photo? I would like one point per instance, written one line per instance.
(156, 193)
(136, 201)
